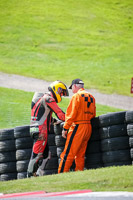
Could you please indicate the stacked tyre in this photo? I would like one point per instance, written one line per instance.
(93, 156)
(129, 121)
(59, 140)
(7, 155)
(114, 139)
(52, 164)
(23, 143)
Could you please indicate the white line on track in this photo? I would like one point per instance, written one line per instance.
(103, 194)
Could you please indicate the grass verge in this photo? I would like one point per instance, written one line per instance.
(15, 107)
(102, 179)
(56, 39)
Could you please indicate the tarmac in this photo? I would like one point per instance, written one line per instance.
(69, 195)
(36, 85)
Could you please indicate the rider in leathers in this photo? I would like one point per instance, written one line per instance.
(41, 116)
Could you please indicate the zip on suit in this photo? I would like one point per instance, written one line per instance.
(80, 111)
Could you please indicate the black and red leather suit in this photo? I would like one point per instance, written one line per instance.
(42, 107)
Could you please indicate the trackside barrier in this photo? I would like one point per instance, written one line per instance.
(111, 144)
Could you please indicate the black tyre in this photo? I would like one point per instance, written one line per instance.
(130, 129)
(22, 175)
(7, 145)
(93, 147)
(52, 163)
(129, 116)
(24, 143)
(7, 156)
(8, 176)
(7, 167)
(131, 153)
(59, 141)
(89, 166)
(112, 144)
(113, 131)
(117, 163)
(93, 159)
(22, 131)
(61, 125)
(131, 142)
(95, 136)
(95, 122)
(57, 129)
(22, 165)
(112, 119)
(23, 154)
(53, 150)
(6, 134)
(116, 156)
(59, 151)
(51, 139)
(50, 171)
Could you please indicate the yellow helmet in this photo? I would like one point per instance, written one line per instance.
(58, 89)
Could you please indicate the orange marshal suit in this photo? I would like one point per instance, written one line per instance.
(80, 111)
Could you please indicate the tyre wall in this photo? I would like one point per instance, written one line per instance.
(111, 144)
(114, 139)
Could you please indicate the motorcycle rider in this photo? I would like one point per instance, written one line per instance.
(42, 107)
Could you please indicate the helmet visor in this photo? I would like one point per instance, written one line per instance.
(65, 92)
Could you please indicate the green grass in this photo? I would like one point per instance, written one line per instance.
(104, 179)
(57, 39)
(15, 107)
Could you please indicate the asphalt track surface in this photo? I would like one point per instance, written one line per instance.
(70, 195)
(36, 85)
